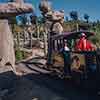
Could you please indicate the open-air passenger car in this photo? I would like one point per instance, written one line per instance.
(89, 68)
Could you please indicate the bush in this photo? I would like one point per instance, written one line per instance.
(19, 55)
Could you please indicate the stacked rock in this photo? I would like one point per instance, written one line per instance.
(10, 9)
(54, 18)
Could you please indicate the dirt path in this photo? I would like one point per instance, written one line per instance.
(43, 87)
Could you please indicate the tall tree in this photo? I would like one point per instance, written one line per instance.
(86, 17)
(33, 19)
(66, 18)
(23, 19)
(74, 15)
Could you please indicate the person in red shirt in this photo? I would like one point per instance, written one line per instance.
(83, 44)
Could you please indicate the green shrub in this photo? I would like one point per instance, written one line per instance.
(19, 55)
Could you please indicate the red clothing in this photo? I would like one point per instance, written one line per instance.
(84, 45)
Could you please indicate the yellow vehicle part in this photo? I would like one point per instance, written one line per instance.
(57, 59)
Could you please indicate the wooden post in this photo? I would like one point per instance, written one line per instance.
(45, 43)
(77, 27)
(30, 39)
(49, 56)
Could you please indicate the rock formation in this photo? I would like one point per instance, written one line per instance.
(54, 18)
(7, 54)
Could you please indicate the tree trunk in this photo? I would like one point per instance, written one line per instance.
(7, 54)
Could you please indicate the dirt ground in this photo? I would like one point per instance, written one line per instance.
(39, 87)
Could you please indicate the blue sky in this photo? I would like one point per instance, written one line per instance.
(91, 7)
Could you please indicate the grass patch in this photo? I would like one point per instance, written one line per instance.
(20, 55)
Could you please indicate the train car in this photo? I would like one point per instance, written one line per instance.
(82, 66)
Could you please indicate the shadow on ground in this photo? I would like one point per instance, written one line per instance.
(42, 87)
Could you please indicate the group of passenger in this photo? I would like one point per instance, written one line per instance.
(81, 45)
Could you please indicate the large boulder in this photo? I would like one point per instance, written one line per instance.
(14, 9)
(45, 6)
(7, 54)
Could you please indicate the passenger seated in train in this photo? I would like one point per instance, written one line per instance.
(66, 48)
(91, 62)
(66, 55)
(76, 65)
(83, 44)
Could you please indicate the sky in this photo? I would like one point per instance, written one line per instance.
(90, 7)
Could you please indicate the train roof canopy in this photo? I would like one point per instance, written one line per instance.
(72, 35)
